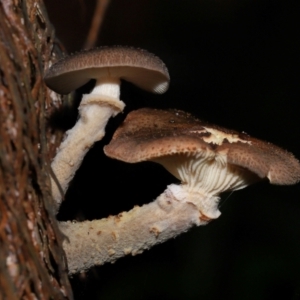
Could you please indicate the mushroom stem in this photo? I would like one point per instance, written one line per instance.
(108, 87)
(97, 242)
(78, 140)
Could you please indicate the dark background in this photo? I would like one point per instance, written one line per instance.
(234, 63)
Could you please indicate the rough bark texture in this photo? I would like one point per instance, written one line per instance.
(32, 264)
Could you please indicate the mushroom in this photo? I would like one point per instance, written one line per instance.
(207, 159)
(107, 65)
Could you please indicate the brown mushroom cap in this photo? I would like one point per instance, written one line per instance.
(148, 134)
(137, 66)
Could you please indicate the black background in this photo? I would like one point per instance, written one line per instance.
(234, 63)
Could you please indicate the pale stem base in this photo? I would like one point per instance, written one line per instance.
(92, 243)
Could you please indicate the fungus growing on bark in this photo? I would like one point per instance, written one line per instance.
(207, 159)
(107, 65)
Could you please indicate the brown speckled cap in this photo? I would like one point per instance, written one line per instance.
(147, 134)
(137, 66)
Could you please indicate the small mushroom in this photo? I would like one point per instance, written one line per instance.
(207, 159)
(107, 65)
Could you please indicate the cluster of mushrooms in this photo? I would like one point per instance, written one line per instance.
(207, 159)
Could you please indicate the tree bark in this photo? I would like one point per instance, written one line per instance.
(32, 262)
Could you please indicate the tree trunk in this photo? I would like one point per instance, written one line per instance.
(32, 263)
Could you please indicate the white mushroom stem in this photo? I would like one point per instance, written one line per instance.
(92, 243)
(107, 87)
(95, 110)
